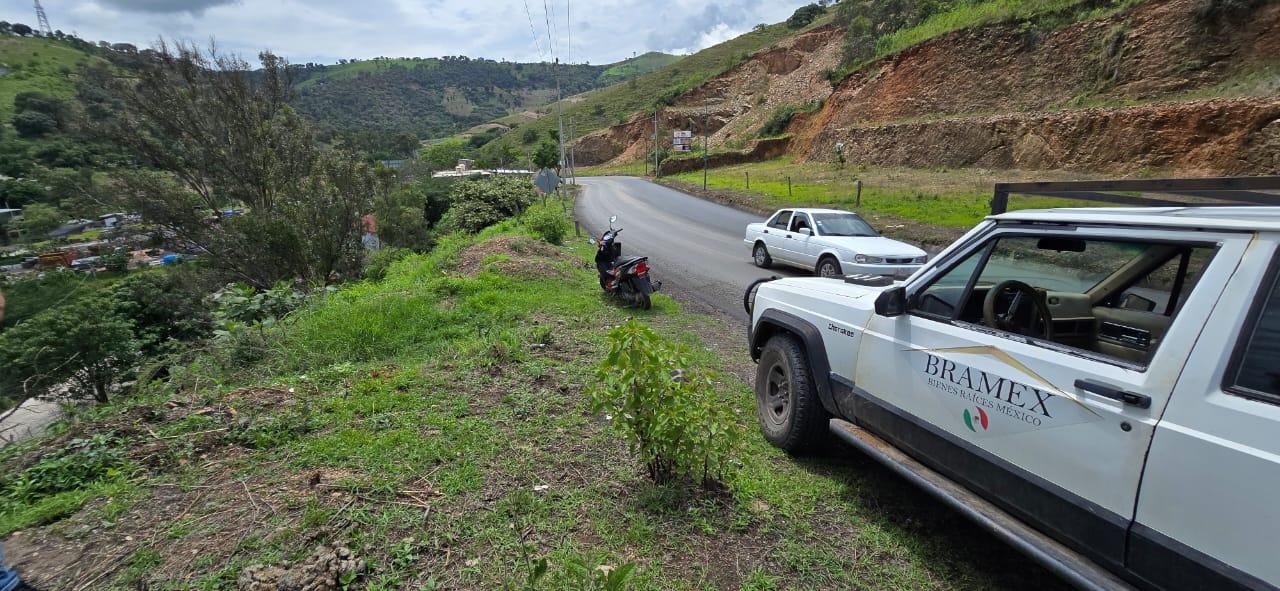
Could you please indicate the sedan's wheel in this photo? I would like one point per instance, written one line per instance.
(828, 267)
(760, 255)
(787, 405)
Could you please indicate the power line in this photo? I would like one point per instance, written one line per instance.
(546, 15)
(533, 30)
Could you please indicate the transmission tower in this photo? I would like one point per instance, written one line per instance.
(44, 20)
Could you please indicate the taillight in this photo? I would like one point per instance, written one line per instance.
(642, 268)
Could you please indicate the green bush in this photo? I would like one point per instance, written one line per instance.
(480, 203)
(547, 223)
(166, 306)
(378, 261)
(777, 123)
(805, 15)
(664, 406)
(33, 123)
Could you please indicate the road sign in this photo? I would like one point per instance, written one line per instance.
(683, 134)
(546, 180)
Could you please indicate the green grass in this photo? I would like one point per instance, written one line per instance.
(35, 64)
(465, 389)
(637, 66)
(951, 198)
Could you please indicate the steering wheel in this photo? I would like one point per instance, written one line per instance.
(1006, 321)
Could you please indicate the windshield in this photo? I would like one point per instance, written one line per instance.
(842, 224)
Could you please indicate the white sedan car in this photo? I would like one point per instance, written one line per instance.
(829, 242)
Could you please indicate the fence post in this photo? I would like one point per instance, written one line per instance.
(788, 185)
(857, 199)
(999, 202)
(748, 173)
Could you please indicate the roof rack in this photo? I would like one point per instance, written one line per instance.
(1199, 192)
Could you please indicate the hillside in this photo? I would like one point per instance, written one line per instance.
(435, 97)
(33, 64)
(1184, 86)
(616, 104)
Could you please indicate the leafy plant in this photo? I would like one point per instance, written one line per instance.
(547, 223)
(663, 405)
(116, 261)
(480, 203)
(777, 123)
(80, 464)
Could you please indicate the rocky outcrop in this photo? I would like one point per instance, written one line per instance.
(1213, 137)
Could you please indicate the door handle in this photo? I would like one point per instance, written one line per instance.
(1130, 398)
(766, 231)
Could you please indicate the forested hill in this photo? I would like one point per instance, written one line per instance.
(433, 97)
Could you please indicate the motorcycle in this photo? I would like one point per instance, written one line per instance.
(625, 277)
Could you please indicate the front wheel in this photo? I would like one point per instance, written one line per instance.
(787, 405)
(828, 267)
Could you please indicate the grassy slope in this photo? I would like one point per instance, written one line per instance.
(952, 198)
(36, 64)
(428, 423)
(608, 106)
(636, 66)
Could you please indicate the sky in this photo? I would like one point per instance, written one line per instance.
(323, 31)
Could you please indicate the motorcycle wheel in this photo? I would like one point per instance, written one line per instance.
(642, 291)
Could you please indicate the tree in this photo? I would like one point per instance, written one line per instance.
(38, 219)
(40, 102)
(21, 29)
(85, 343)
(805, 15)
(529, 135)
(34, 124)
(444, 154)
(219, 133)
(547, 155)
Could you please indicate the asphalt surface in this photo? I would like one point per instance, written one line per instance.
(694, 246)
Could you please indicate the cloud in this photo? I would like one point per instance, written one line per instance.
(325, 31)
(166, 6)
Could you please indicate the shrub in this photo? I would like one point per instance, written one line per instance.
(379, 261)
(547, 223)
(663, 406)
(85, 342)
(480, 203)
(777, 123)
(33, 123)
(529, 135)
(116, 261)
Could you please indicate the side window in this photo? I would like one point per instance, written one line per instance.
(798, 221)
(780, 221)
(944, 295)
(1258, 374)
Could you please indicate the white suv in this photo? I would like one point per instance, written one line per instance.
(1099, 387)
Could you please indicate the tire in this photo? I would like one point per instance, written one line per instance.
(828, 266)
(643, 289)
(760, 256)
(791, 415)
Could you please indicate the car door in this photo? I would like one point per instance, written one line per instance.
(805, 247)
(1039, 427)
(777, 237)
(1207, 516)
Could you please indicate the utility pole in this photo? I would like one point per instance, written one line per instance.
(706, 109)
(655, 143)
(560, 113)
(573, 163)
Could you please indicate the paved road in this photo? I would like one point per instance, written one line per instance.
(694, 246)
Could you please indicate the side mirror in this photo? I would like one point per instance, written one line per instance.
(805, 231)
(892, 302)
